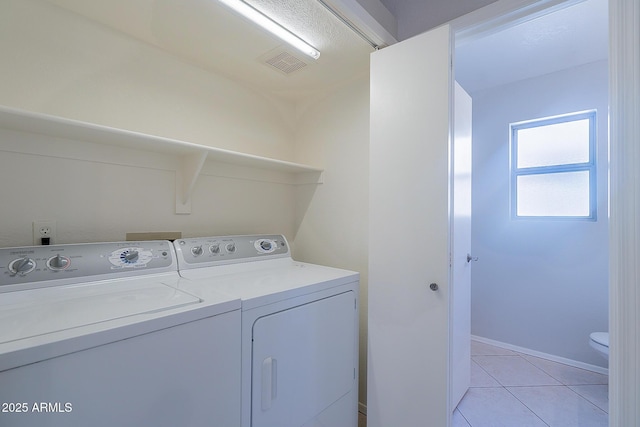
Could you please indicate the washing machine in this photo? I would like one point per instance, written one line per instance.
(101, 335)
(299, 328)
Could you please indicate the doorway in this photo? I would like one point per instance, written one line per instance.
(540, 283)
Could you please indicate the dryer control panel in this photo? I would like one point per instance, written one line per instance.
(205, 251)
(87, 261)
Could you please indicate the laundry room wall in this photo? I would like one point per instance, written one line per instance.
(539, 284)
(332, 218)
(59, 63)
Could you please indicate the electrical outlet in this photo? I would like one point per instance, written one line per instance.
(44, 229)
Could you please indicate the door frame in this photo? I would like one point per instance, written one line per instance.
(624, 143)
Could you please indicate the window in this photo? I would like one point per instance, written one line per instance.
(553, 170)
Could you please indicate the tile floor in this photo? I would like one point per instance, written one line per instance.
(510, 389)
(516, 390)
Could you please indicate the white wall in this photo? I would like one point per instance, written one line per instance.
(332, 219)
(541, 285)
(58, 63)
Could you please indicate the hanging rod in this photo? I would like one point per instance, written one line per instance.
(349, 24)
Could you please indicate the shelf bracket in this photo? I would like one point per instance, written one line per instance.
(186, 177)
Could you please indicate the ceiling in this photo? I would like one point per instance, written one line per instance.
(563, 39)
(417, 16)
(211, 36)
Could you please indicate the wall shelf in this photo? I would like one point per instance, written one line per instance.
(191, 157)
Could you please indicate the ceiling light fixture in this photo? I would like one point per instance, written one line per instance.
(273, 27)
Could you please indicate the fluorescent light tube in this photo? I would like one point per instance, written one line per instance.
(273, 27)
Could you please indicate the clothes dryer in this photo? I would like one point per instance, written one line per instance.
(299, 328)
(100, 335)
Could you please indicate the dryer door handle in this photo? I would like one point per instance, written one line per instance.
(269, 382)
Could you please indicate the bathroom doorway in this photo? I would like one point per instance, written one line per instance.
(540, 284)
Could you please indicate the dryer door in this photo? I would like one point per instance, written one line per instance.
(303, 361)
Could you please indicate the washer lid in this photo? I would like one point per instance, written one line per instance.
(601, 338)
(36, 312)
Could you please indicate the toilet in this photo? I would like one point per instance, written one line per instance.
(600, 342)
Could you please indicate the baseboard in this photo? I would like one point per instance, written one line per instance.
(551, 357)
(362, 408)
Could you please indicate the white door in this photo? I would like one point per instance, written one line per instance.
(303, 362)
(460, 327)
(409, 244)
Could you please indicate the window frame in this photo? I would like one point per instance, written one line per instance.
(589, 166)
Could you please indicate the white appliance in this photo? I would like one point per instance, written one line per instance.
(299, 328)
(100, 335)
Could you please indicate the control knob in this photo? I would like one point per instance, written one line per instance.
(22, 265)
(215, 249)
(231, 247)
(58, 262)
(196, 250)
(266, 245)
(131, 256)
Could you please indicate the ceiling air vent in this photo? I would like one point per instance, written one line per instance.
(283, 61)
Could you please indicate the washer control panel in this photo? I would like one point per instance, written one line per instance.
(203, 251)
(41, 263)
